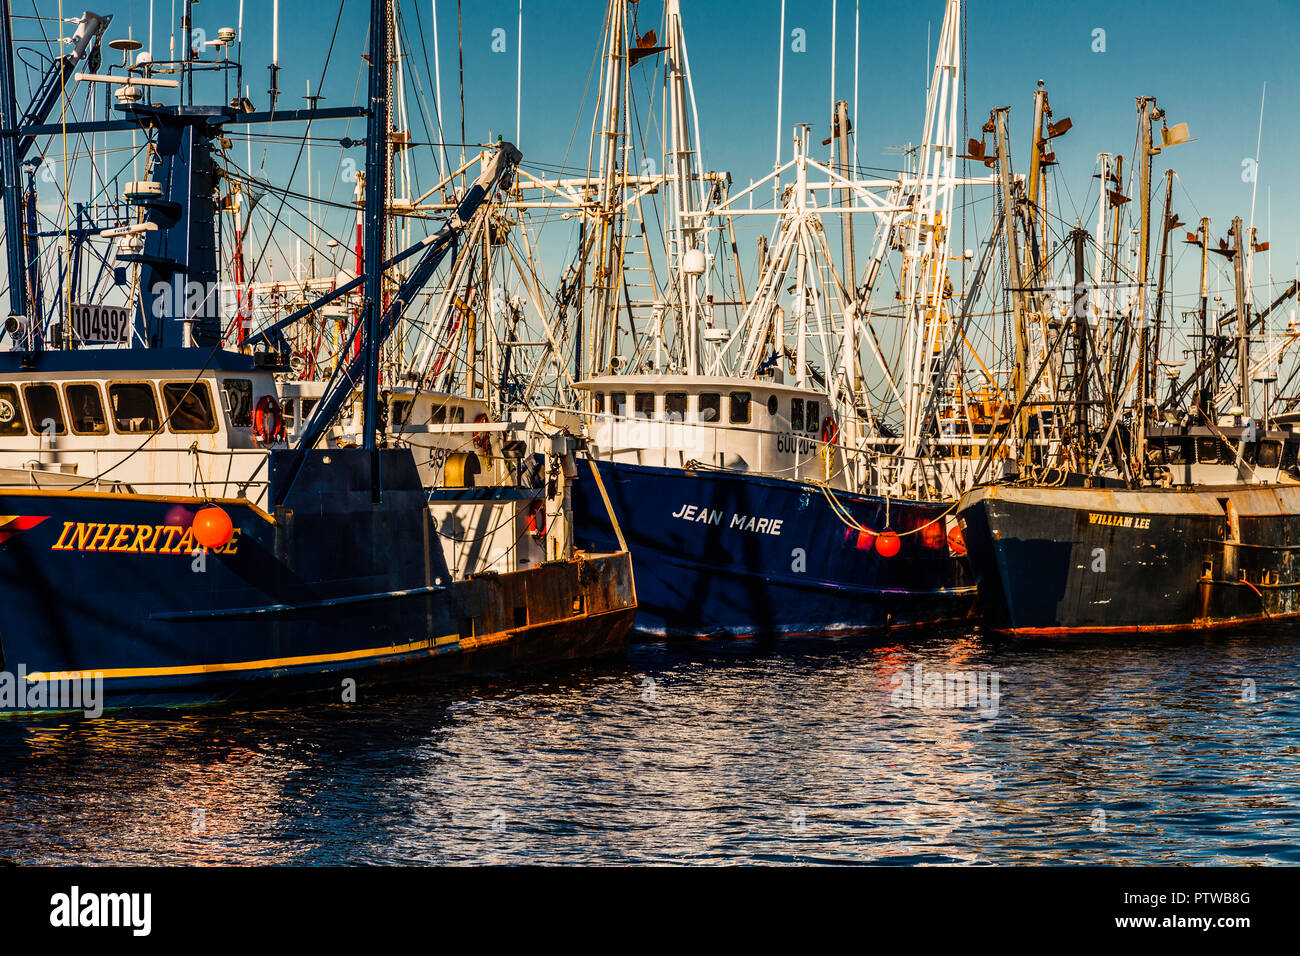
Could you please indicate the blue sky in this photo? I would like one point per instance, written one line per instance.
(1206, 62)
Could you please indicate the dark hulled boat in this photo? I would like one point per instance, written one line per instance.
(1059, 561)
(719, 553)
(159, 538)
(332, 584)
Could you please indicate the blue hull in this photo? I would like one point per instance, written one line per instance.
(703, 568)
(332, 585)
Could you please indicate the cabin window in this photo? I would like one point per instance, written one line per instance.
(44, 409)
(401, 412)
(813, 417)
(308, 406)
(600, 403)
(439, 416)
(1207, 450)
(287, 406)
(86, 410)
(1288, 455)
(1269, 454)
(11, 413)
(458, 413)
(237, 393)
(645, 404)
(618, 403)
(710, 406)
(796, 414)
(740, 408)
(675, 406)
(771, 405)
(189, 407)
(1175, 452)
(134, 407)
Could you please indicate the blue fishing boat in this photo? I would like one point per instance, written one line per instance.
(161, 543)
(770, 470)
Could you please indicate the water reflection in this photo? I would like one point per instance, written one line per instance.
(1145, 750)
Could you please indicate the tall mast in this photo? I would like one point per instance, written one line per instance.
(1243, 319)
(925, 266)
(376, 190)
(1168, 225)
(689, 239)
(1204, 232)
(603, 317)
(15, 246)
(848, 171)
(1079, 237)
(1147, 115)
(1019, 299)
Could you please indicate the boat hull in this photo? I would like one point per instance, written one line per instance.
(1072, 561)
(721, 575)
(332, 586)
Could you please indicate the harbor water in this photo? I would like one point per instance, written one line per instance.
(1163, 750)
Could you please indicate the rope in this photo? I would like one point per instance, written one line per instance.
(842, 512)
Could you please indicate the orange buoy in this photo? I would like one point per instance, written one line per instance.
(887, 544)
(212, 527)
(956, 542)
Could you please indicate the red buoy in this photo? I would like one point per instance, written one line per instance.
(887, 544)
(956, 543)
(212, 527)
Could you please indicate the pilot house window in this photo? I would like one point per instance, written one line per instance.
(238, 394)
(813, 416)
(675, 406)
(189, 407)
(44, 409)
(645, 404)
(86, 410)
(796, 414)
(11, 413)
(401, 416)
(740, 408)
(710, 404)
(134, 407)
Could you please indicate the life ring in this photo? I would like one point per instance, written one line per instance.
(830, 431)
(268, 420)
(482, 439)
(537, 519)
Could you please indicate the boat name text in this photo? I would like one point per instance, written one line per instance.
(736, 522)
(134, 538)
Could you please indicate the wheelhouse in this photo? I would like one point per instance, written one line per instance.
(713, 421)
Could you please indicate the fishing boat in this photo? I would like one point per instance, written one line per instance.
(159, 536)
(758, 485)
(1151, 515)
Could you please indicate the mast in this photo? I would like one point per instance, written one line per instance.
(1243, 320)
(1204, 232)
(1019, 299)
(853, 366)
(15, 247)
(1080, 315)
(602, 342)
(1169, 222)
(1147, 115)
(375, 190)
(691, 263)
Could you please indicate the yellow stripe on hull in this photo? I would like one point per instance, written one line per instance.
(375, 652)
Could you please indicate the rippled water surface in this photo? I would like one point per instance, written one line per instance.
(1126, 751)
